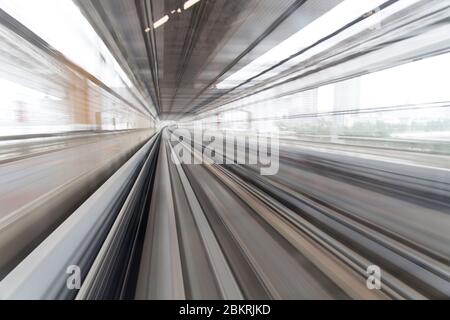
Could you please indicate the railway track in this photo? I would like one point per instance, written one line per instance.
(159, 229)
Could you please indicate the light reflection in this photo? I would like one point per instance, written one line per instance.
(325, 25)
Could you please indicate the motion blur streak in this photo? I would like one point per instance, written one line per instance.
(132, 136)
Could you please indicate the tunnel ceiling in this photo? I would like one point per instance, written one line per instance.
(179, 63)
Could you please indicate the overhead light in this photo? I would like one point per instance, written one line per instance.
(179, 10)
(190, 3)
(161, 21)
(147, 30)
